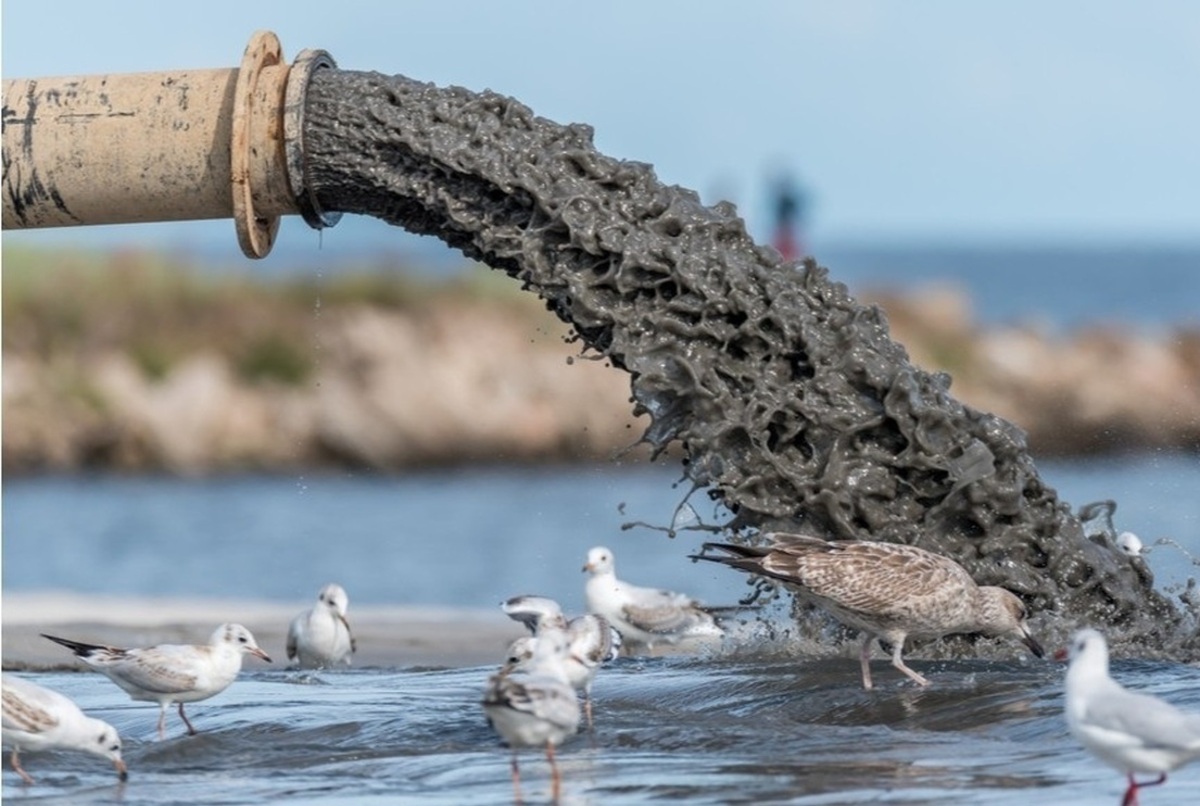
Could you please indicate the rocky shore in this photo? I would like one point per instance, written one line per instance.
(457, 378)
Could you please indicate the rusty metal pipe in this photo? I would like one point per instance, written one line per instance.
(170, 146)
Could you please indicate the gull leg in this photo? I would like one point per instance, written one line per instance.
(516, 776)
(587, 707)
(162, 721)
(555, 780)
(16, 765)
(864, 657)
(1131, 794)
(898, 662)
(191, 731)
(1130, 798)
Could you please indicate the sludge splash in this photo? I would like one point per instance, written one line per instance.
(791, 402)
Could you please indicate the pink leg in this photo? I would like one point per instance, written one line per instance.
(516, 776)
(555, 780)
(162, 721)
(16, 765)
(864, 657)
(898, 662)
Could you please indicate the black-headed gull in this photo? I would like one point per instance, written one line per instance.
(321, 637)
(37, 718)
(534, 705)
(172, 673)
(1132, 732)
(644, 615)
(591, 640)
(886, 590)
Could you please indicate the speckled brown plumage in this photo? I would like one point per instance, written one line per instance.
(886, 590)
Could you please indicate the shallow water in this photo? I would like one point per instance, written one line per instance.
(750, 727)
(740, 728)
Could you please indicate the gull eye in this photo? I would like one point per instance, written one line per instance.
(241, 639)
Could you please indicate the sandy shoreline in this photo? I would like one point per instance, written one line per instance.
(390, 636)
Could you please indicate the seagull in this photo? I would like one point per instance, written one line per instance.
(591, 640)
(37, 718)
(321, 637)
(1130, 543)
(1129, 731)
(886, 590)
(534, 705)
(644, 615)
(172, 673)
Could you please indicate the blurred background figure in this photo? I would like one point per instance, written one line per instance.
(790, 203)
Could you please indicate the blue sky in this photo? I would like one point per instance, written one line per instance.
(922, 121)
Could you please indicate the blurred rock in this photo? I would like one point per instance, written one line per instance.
(461, 380)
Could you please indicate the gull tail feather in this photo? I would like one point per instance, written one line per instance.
(78, 647)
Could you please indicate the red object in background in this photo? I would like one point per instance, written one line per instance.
(788, 214)
(786, 242)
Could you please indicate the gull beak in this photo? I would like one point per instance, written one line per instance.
(1061, 655)
(350, 632)
(587, 567)
(259, 653)
(1034, 647)
(122, 770)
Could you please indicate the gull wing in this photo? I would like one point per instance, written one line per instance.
(160, 670)
(24, 711)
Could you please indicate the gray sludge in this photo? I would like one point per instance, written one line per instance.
(791, 403)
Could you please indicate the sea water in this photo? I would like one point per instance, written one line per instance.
(748, 723)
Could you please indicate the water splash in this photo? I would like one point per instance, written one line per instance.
(792, 405)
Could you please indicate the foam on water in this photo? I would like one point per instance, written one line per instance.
(793, 406)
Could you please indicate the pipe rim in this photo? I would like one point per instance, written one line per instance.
(256, 234)
(307, 62)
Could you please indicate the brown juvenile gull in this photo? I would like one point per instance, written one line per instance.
(172, 673)
(885, 590)
(37, 718)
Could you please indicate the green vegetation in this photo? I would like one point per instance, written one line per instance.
(68, 305)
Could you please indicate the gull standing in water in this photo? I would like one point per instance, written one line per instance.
(37, 718)
(172, 673)
(591, 640)
(1129, 731)
(534, 705)
(644, 615)
(885, 590)
(321, 637)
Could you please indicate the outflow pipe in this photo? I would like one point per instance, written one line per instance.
(170, 146)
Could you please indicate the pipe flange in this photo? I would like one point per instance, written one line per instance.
(255, 234)
(307, 62)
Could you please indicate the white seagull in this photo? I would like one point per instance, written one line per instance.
(1129, 731)
(591, 640)
(172, 673)
(321, 637)
(644, 615)
(885, 590)
(36, 718)
(534, 705)
(1130, 543)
